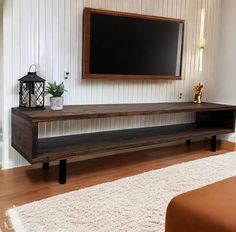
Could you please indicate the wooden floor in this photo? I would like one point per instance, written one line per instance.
(26, 184)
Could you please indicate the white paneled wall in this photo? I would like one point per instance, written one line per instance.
(1, 81)
(49, 33)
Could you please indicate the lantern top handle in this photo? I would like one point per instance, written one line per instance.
(35, 68)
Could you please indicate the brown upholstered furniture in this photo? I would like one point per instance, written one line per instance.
(208, 209)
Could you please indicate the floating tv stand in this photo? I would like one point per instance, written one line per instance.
(210, 120)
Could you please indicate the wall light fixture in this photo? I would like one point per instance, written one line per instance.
(202, 42)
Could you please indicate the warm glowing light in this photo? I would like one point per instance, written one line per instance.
(202, 42)
(202, 26)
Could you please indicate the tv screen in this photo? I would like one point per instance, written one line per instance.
(122, 45)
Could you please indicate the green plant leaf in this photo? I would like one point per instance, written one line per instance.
(55, 90)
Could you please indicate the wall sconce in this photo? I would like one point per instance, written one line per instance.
(202, 42)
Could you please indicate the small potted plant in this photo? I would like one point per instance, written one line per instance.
(56, 100)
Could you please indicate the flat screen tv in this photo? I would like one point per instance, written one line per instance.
(120, 45)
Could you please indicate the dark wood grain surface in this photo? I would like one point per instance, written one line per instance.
(94, 143)
(211, 120)
(116, 110)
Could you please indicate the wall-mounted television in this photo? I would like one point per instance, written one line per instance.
(119, 45)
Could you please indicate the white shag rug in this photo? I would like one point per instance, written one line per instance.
(136, 203)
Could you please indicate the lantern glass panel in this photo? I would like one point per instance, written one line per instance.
(38, 99)
(32, 94)
(24, 95)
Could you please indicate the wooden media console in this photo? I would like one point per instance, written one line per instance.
(210, 120)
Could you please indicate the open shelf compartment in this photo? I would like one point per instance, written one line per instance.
(73, 145)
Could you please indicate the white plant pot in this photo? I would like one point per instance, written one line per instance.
(56, 103)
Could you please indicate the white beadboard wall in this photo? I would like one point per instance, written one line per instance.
(1, 81)
(49, 34)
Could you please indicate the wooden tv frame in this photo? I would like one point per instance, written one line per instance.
(86, 46)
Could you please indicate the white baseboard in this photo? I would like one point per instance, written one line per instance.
(7, 165)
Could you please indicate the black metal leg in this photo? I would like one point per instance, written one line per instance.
(213, 143)
(46, 166)
(188, 141)
(62, 171)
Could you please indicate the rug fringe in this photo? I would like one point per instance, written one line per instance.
(7, 227)
(8, 224)
(14, 221)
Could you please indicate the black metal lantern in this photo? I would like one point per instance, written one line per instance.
(32, 90)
